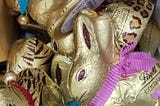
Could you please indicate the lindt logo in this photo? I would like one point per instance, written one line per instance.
(147, 76)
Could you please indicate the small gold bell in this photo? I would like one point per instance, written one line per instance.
(23, 20)
(9, 77)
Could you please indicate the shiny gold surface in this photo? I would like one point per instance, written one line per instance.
(150, 38)
(9, 76)
(40, 10)
(44, 91)
(59, 73)
(89, 67)
(57, 17)
(10, 96)
(63, 44)
(23, 20)
(136, 90)
(13, 4)
(28, 53)
(130, 18)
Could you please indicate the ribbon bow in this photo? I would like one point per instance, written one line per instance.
(130, 63)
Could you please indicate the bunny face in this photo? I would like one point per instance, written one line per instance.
(89, 68)
(59, 73)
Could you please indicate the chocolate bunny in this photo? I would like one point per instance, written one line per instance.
(97, 49)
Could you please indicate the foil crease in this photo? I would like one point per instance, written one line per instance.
(28, 53)
(40, 10)
(136, 90)
(63, 44)
(13, 4)
(44, 91)
(58, 17)
(10, 96)
(60, 68)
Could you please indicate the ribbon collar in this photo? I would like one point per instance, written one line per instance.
(23, 4)
(130, 63)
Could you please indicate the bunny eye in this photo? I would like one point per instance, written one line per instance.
(55, 46)
(58, 74)
(86, 36)
(81, 75)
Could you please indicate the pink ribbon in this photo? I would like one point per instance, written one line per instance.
(156, 94)
(130, 63)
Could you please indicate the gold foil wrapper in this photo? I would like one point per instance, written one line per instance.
(13, 4)
(28, 53)
(63, 44)
(40, 10)
(10, 96)
(89, 68)
(44, 91)
(58, 17)
(136, 90)
(60, 68)
(150, 38)
(130, 18)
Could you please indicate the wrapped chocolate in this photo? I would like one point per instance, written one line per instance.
(90, 68)
(57, 17)
(137, 90)
(11, 96)
(130, 18)
(98, 38)
(150, 38)
(60, 68)
(63, 44)
(44, 91)
(40, 10)
(13, 4)
(61, 21)
(28, 53)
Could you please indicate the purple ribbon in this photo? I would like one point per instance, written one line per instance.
(156, 94)
(130, 63)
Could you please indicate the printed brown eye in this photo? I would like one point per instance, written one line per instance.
(58, 74)
(81, 75)
(86, 36)
(55, 46)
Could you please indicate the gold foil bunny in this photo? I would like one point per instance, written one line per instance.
(89, 68)
(97, 47)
